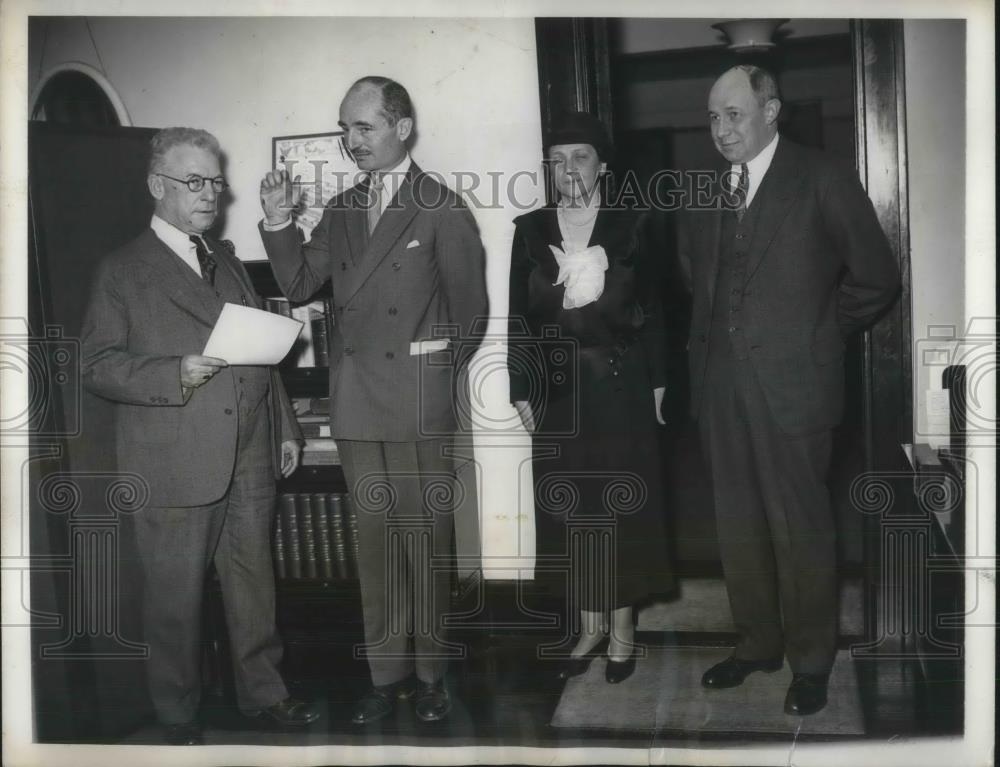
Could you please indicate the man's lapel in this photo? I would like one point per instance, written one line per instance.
(781, 185)
(187, 290)
(390, 227)
(225, 255)
(356, 220)
(713, 233)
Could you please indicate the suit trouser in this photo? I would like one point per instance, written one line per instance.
(775, 525)
(176, 547)
(403, 495)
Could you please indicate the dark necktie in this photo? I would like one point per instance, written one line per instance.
(743, 189)
(205, 261)
(374, 201)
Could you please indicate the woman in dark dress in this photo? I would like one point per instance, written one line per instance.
(586, 364)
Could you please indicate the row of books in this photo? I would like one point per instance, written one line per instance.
(315, 537)
(312, 349)
(313, 415)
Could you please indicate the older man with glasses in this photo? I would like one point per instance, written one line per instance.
(208, 438)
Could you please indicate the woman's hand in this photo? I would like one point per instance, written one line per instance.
(523, 408)
(658, 401)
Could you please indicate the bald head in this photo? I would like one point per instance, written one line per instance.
(377, 119)
(743, 108)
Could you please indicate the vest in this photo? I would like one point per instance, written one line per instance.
(727, 338)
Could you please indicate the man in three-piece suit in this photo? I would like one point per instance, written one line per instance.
(406, 266)
(780, 276)
(208, 438)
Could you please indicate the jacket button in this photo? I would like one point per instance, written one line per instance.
(396, 265)
(229, 411)
(392, 310)
(389, 355)
(348, 350)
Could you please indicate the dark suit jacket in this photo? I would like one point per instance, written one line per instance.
(819, 268)
(628, 310)
(148, 309)
(423, 269)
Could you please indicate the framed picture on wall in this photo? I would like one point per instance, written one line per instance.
(324, 166)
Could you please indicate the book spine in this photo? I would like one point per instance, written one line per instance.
(293, 548)
(338, 535)
(321, 341)
(278, 548)
(303, 507)
(351, 525)
(321, 525)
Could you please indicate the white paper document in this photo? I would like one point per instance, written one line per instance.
(247, 336)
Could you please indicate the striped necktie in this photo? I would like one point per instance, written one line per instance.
(743, 189)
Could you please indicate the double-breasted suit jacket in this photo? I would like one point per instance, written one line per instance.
(147, 310)
(420, 274)
(818, 268)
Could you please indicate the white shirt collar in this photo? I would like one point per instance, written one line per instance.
(177, 241)
(757, 167)
(392, 179)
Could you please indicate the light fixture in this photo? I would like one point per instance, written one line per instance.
(747, 35)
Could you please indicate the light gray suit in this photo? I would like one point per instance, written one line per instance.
(393, 413)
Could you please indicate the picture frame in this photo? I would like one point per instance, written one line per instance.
(306, 155)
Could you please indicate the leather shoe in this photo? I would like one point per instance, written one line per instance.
(289, 712)
(806, 694)
(183, 734)
(732, 671)
(619, 670)
(433, 702)
(574, 666)
(380, 701)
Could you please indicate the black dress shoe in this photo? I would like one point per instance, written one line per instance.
(380, 701)
(433, 702)
(619, 670)
(183, 734)
(289, 712)
(575, 666)
(732, 671)
(806, 694)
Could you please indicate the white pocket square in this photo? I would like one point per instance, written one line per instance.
(413, 244)
(428, 346)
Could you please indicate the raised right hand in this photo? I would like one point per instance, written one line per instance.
(279, 196)
(197, 369)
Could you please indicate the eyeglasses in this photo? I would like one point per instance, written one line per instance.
(196, 183)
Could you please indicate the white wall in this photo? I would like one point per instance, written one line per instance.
(474, 84)
(935, 126)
